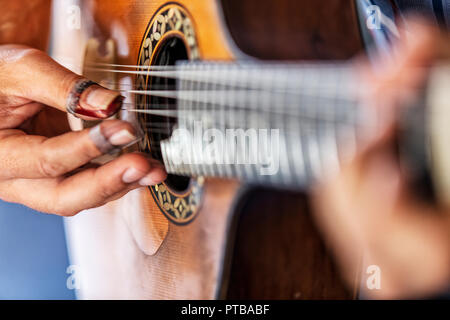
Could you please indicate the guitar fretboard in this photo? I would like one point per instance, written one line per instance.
(269, 124)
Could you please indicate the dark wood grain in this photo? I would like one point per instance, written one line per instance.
(278, 253)
(293, 29)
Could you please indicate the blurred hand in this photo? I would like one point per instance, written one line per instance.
(367, 213)
(42, 170)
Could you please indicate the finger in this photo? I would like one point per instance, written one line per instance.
(95, 187)
(32, 157)
(405, 68)
(88, 189)
(347, 185)
(421, 44)
(43, 80)
(18, 117)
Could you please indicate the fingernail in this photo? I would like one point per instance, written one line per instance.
(132, 175)
(100, 98)
(122, 137)
(99, 102)
(153, 178)
(146, 181)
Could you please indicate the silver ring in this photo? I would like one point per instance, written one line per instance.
(101, 142)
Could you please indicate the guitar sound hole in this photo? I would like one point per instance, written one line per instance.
(171, 51)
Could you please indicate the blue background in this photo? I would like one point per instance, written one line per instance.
(33, 255)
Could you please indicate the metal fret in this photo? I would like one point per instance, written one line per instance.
(207, 169)
(328, 139)
(216, 169)
(255, 122)
(249, 169)
(286, 173)
(190, 168)
(312, 141)
(222, 124)
(295, 140)
(237, 170)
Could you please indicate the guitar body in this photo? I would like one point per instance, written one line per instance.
(204, 238)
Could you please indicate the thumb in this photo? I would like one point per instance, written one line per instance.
(30, 73)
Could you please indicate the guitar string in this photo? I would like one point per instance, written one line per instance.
(153, 67)
(176, 114)
(302, 116)
(206, 77)
(241, 64)
(214, 100)
(241, 123)
(114, 84)
(221, 63)
(193, 96)
(248, 83)
(175, 94)
(172, 111)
